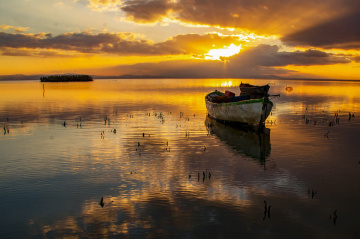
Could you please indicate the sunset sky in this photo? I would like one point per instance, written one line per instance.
(182, 38)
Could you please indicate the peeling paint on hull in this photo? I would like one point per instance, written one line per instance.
(251, 112)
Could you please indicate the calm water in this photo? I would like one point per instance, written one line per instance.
(137, 142)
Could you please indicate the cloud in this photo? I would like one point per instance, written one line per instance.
(356, 58)
(310, 23)
(148, 11)
(197, 44)
(265, 17)
(32, 53)
(255, 62)
(340, 33)
(266, 55)
(105, 5)
(120, 43)
(196, 69)
(16, 29)
(59, 3)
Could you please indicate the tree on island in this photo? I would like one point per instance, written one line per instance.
(65, 78)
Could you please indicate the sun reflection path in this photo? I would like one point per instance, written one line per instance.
(226, 84)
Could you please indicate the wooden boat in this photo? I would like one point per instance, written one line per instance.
(254, 89)
(251, 112)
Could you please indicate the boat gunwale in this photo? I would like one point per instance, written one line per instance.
(261, 100)
(253, 86)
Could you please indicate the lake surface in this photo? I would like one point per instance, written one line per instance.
(144, 146)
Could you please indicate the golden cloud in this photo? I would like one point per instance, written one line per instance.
(105, 5)
(16, 29)
(116, 43)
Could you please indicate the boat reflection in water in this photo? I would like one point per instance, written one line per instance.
(247, 142)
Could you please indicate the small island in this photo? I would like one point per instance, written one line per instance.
(66, 78)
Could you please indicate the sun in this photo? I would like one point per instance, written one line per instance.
(215, 54)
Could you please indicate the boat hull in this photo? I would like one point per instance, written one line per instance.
(250, 112)
(254, 90)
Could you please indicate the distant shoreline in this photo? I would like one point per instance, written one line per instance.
(129, 77)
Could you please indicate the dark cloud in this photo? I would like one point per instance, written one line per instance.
(196, 69)
(148, 11)
(356, 58)
(266, 55)
(121, 44)
(256, 62)
(340, 33)
(265, 17)
(35, 53)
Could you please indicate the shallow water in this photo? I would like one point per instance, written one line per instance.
(53, 176)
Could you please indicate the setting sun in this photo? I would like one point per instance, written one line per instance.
(215, 54)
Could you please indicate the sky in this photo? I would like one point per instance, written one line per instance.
(182, 38)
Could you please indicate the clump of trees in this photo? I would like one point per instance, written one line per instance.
(65, 78)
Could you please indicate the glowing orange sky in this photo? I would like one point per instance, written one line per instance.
(177, 38)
